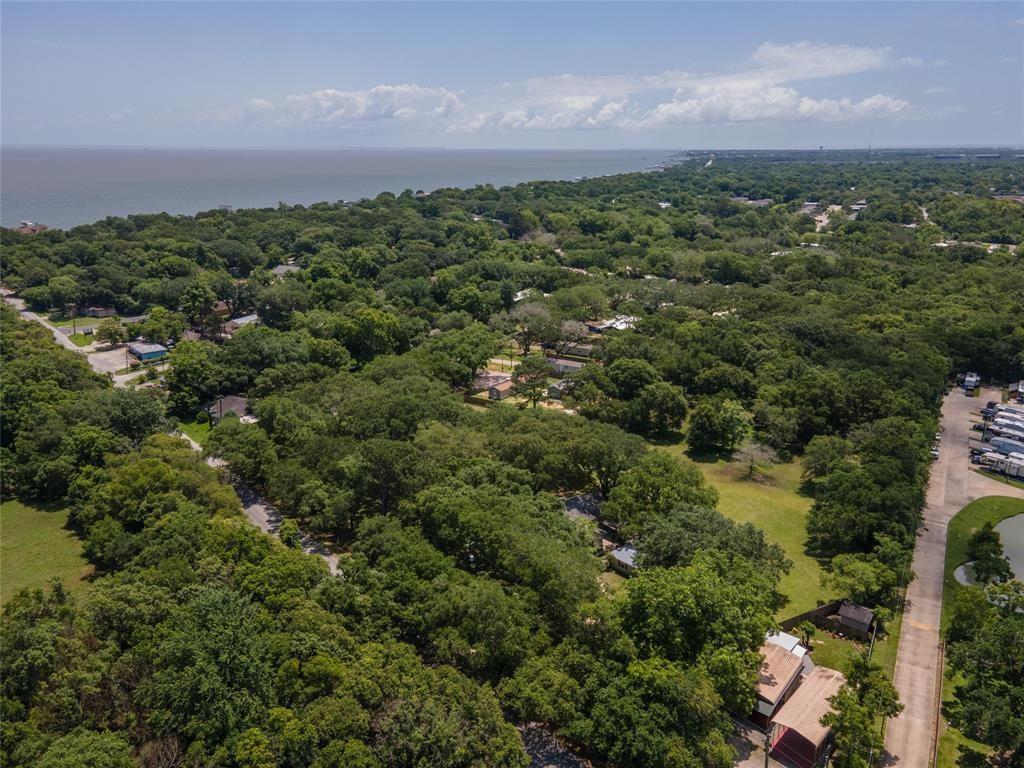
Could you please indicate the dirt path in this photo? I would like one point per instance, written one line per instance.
(910, 738)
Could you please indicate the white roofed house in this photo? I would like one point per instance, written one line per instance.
(235, 323)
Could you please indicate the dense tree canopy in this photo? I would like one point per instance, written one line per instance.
(465, 600)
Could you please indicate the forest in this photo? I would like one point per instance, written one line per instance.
(466, 602)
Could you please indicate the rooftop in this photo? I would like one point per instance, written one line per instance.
(777, 671)
(625, 555)
(803, 711)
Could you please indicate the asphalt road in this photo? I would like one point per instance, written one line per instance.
(910, 738)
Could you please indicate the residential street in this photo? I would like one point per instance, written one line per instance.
(910, 738)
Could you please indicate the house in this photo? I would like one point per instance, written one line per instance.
(558, 389)
(761, 202)
(283, 269)
(29, 228)
(617, 323)
(664, 204)
(501, 390)
(561, 366)
(777, 678)
(191, 336)
(587, 506)
(860, 205)
(792, 644)
(623, 560)
(523, 294)
(226, 405)
(235, 323)
(579, 350)
(796, 732)
(144, 352)
(221, 309)
(856, 620)
(810, 207)
(99, 312)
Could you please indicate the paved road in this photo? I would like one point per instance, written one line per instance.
(910, 738)
(265, 516)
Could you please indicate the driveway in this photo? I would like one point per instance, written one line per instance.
(910, 738)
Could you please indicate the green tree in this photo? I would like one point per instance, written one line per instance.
(211, 677)
(652, 488)
(717, 426)
(985, 548)
(110, 331)
(64, 291)
(530, 378)
(88, 749)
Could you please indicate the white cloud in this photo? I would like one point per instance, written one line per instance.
(762, 89)
(936, 91)
(330, 106)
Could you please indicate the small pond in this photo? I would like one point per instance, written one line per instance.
(1011, 531)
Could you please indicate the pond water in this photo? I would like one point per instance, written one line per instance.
(1011, 531)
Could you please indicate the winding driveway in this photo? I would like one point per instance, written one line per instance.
(910, 738)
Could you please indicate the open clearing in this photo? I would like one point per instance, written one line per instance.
(35, 547)
(772, 502)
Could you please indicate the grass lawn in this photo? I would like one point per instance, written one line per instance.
(611, 582)
(66, 321)
(197, 431)
(832, 652)
(35, 546)
(775, 504)
(999, 478)
(969, 519)
(81, 340)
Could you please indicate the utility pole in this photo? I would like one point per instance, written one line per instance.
(767, 744)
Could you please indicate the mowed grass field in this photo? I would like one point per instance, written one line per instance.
(990, 509)
(35, 547)
(772, 502)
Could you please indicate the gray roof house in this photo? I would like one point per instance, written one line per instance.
(562, 367)
(226, 405)
(623, 560)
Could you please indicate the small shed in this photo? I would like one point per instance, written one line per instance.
(856, 620)
(501, 390)
(557, 389)
(144, 352)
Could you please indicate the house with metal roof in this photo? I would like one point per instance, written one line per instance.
(777, 677)
(796, 734)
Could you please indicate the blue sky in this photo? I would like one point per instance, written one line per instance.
(512, 75)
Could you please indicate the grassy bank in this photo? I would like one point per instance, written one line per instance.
(35, 546)
(990, 509)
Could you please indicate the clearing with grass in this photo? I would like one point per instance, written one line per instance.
(35, 546)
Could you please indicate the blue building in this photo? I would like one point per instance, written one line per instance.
(144, 352)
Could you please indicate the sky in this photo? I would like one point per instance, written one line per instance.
(512, 75)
